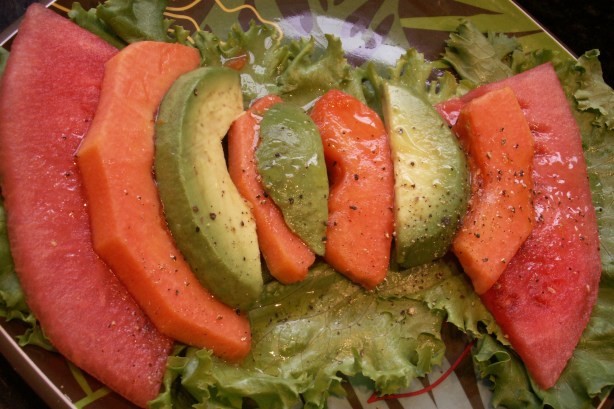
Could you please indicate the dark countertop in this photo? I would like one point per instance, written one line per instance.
(580, 25)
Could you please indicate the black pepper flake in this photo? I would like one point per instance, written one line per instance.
(353, 207)
(355, 176)
(291, 200)
(485, 259)
(195, 209)
(212, 216)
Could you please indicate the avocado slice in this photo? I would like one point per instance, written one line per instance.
(431, 177)
(290, 160)
(210, 221)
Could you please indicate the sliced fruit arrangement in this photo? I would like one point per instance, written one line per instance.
(290, 161)
(209, 219)
(369, 181)
(128, 229)
(287, 257)
(430, 176)
(360, 222)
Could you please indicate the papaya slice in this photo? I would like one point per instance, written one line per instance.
(361, 198)
(495, 134)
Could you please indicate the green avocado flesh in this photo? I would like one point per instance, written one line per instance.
(290, 160)
(431, 177)
(210, 221)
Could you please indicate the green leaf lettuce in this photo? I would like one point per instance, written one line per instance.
(306, 335)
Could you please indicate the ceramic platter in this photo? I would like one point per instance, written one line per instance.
(376, 30)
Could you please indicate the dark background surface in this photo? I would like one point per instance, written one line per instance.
(580, 25)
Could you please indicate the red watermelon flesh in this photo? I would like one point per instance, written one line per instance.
(544, 298)
(48, 97)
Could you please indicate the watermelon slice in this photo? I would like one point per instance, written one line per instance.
(48, 96)
(544, 298)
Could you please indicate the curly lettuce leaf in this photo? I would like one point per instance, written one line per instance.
(522, 61)
(4, 56)
(260, 49)
(478, 58)
(501, 366)
(136, 20)
(299, 70)
(594, 94)
(312, 71)
(121, 22)
(425, 79)
(306, 335)
(454, 296)
(12, 301)
(89, 20)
